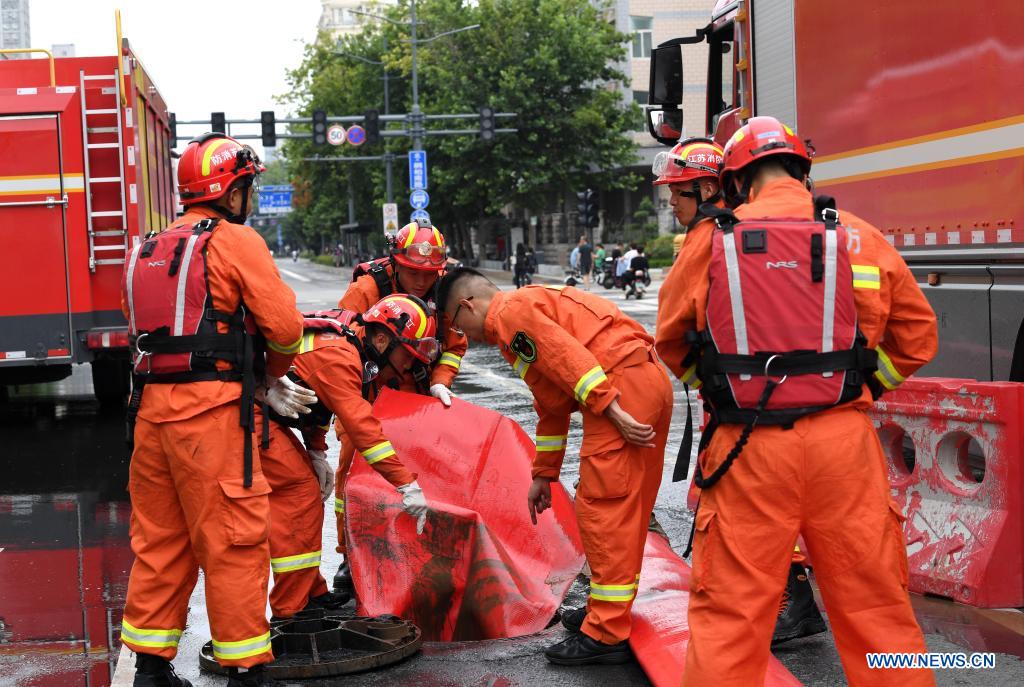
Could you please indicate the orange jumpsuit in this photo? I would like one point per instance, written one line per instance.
(331, 366)
(296, 521)
(586, 354)
(189, 506)
(362, 294)
(825, 478)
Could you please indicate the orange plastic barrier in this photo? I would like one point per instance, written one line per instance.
(954, 448)
(660, 631)
(481, 569)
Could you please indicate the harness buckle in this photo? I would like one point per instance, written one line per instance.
(830, 216)
(768, 364)
(140, 354)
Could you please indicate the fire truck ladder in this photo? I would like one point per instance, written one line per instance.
(115, 253)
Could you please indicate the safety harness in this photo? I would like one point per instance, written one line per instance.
(177, 340)
(338, 322)
(782, 340)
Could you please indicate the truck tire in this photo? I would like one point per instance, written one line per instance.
(111, 380)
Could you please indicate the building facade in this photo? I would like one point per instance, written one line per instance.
(341, 17)
(14, 26)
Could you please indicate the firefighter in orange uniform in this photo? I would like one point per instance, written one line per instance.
(200, 298)
(691, 171)
(339, 356)
(823, 475)
(576, 350)
(418, 259)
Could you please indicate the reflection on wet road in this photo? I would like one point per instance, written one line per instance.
(64, 552)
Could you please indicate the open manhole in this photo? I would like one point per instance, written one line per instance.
(324, 644)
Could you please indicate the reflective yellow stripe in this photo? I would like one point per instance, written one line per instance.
(438, 237)
(690, 377)
(521, 366)
(613, 592)
(411, 237)
(290, 348)
(208, 153)
(887, 373)
(378, 453)
(297, 562)
(866, 277)
(339, 505)
(552, 442)
(423, 316)
(156, 639)
(587, 382)
(242, 649)
(451, 359)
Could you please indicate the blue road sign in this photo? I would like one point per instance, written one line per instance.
(419, 199)
(275, 200)
(418, 215)
(356, 135)
(417, 169)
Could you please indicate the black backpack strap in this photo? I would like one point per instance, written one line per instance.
(724, 217)
(380, 276)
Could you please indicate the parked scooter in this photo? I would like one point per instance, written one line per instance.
(608, 278)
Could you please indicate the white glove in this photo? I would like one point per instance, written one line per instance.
(287, 398)
(324, 473)
(414, 503)
(442, 392)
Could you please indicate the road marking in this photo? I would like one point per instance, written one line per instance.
(295, 276)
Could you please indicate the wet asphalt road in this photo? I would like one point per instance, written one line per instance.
(64, 553)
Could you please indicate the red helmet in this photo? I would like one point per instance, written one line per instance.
(210, 163)
(419, 247)
(756, 140)
(410, 321)
(689, 160)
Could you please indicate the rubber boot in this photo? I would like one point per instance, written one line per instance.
(329, 601)
(153, 671)
(798, 614)
(256, 676)
(343, 580)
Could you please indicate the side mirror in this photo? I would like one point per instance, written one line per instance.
(665, 125)
(666, 84)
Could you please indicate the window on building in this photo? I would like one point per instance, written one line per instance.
(640, 98)
(642, 37)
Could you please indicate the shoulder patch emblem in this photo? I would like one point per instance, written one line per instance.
(523, 346)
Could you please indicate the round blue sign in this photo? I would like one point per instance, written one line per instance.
(356, 135)
(419, 215)
(419, 199)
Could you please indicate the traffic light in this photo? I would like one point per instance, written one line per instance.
(371, 124)
(486, 123)
(172, 124)
(588, 209)
(217, 122)
(268, 129)
(319, 127)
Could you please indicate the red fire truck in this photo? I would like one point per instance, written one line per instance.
(85, 170)
(917, 128)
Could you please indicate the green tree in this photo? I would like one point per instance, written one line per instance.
(552, 62)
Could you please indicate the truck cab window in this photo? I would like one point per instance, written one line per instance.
(721, 72)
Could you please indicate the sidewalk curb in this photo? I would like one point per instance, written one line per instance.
(124, 673)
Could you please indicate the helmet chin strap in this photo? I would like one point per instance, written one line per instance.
(244, 214)
(382, 358)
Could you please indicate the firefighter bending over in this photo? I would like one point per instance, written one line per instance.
(578, 351)
(203, 299)
(417, 261)
(791, 316)
(340, 358)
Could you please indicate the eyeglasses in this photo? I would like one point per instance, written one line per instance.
(455, 328)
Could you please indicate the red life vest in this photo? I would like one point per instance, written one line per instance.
(780, 306)
(171, 317)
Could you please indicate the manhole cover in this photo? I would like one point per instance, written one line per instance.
(319, 644)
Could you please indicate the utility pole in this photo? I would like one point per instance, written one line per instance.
(416, 118)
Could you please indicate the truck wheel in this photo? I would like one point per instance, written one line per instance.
(111, 380)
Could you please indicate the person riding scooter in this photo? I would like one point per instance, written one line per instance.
(637, 277)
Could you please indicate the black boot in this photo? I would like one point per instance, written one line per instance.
(573, 620)
(256, 676)
(153, 671)
(343, 580)
(330, 601)
(798, 614)
(580, 650)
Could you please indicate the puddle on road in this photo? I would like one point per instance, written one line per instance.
(64, 548)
